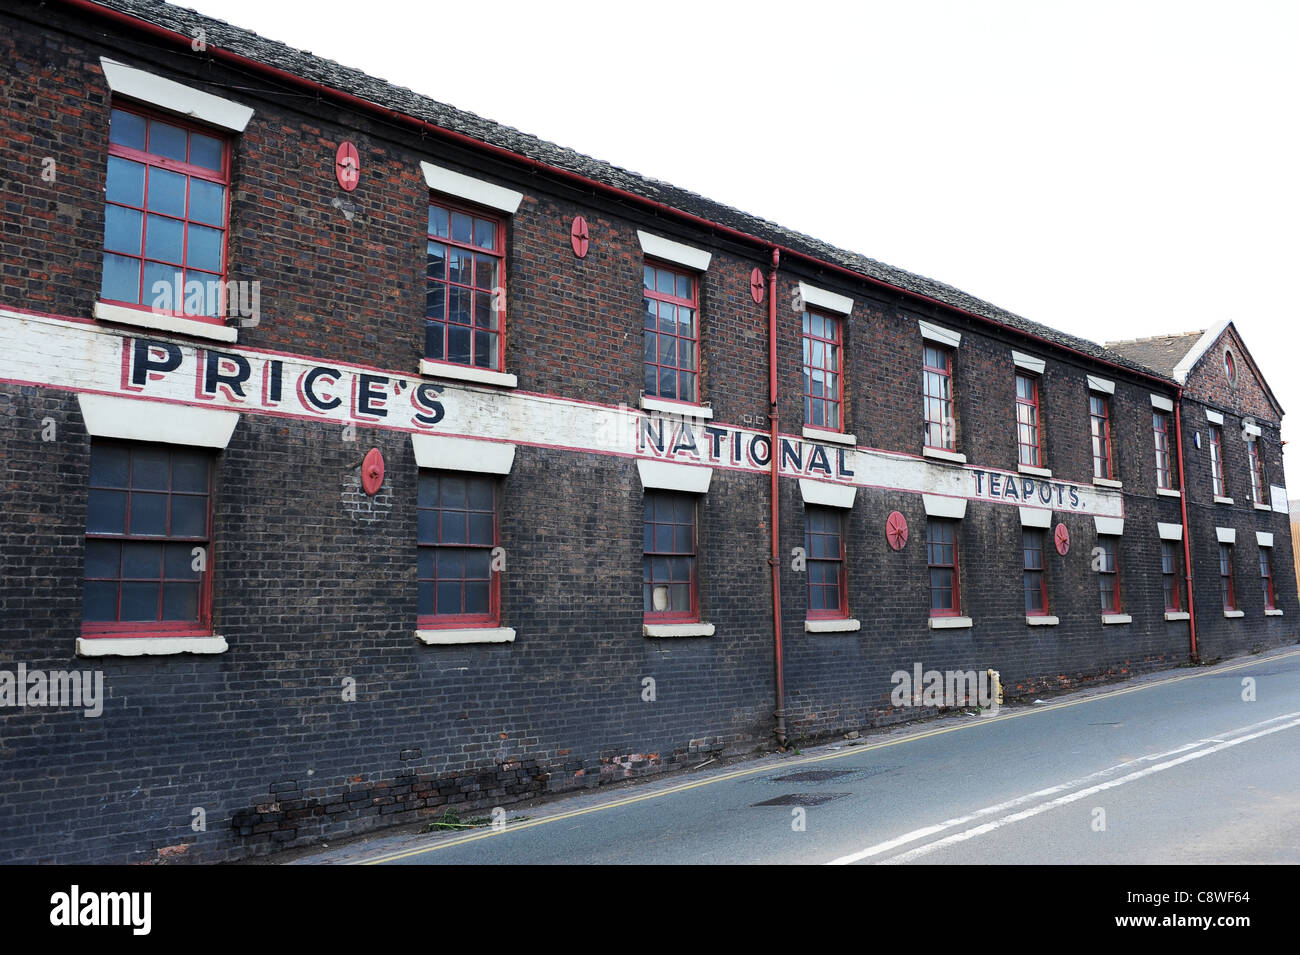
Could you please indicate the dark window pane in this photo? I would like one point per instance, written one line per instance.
(167, 140)
(425, 607)
(150, 469)
(100, 600)
(206, 151)
(427, 495)
(434, 337)
(139, 601)
(458, 344)
(451, 563)
(453, 528)
(148, 513)
(424, 563)
(106, 512)
(449, 598)
(481, 529)
(166, 192)
(178, 562)
(427, 529)
(480, 495)
(190, 471)
(180, 602)
(461, 227)
(439, 222)
(478, 564)
(476, 598)
(103, 558)
(160, 287)
(207, 202)
(203, 248)
(142, 561)
(189, 516)
(454, 492)
(164, 239)
(108, 465)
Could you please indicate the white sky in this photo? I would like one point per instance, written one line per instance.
(1114, 170)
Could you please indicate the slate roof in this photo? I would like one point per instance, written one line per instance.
(345, 79)
(1161, 353)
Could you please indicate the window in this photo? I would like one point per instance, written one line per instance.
(1108, 575)
(149, 509)
(940, 431)
(1230, 367)
(465, 297)
(456, 515)
(671, 334)
(1171, 570)
(165, 215)
(941, 555)
(1256, 462)
(1161, 426)
(822, 384)
(1227, 587)
(1216, 461)
(1099, 410)
(668, 567)
(1266, 574)
(827, 581)
(1035, 578)
(1027, 432)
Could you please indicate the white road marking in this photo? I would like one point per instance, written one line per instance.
(1253, 731)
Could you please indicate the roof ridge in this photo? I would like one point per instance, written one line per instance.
(1154, 338)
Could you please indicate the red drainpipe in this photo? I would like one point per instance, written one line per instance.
(1187, 531)
(775, 559)
(88, 6)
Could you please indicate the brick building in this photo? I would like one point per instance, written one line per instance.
(383, 459)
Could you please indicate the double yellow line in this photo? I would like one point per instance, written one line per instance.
(848, 751)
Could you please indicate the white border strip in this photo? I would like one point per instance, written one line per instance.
(1264, 538)
(657, 247)
(1103, 385)
(1113, 526)
(1213, 417)
(936, 505)
(452, 183)
(821, 298)
(663, 475)
(937, 333)
(1170, 532)
(1035, 517)
(175, 97)
(108, 417)
(1162, 403)
(462, 454)
(1226, 535)
(1029, 362)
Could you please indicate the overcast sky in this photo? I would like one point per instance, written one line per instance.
(1114, 170)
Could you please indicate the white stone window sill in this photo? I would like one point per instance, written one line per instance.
(833, 437)
(467, 635)
(478, 376)
(1042, 621)
(846, 625)
(942, 455)
(1177, 615)
(677, 629)
(148, 646)
(1263, 507)
(1273, 612)
(1116, 618)
(1234, 613)
(951, 623)
(1223, 500)
(650, 403)
(147, 318)
(1168, 492)
(1031, 470)
(1107, 482)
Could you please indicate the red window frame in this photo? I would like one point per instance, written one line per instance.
(155, 218)
(1108, 572)
(1029, 434)
(449, 521)
(471, 306)
(1217, 471)
(1255, 461)
(1171, 575)
(944, 564)
(669, 523)
(1099, 424)
(823, 370)
(667, 351)
(1161, 426)
(201, 625)
(1035, 572)
(827, 575)
(1266, 572)
(1227, 580)
(938, 397)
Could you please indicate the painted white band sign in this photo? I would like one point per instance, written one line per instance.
(79, 356)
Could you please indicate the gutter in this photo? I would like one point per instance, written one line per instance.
(775, 559)
(162, 33)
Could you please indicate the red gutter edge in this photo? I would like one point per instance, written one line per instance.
(1187, 534)
(775, 559)
(89, 6)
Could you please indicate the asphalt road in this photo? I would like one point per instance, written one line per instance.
(1174, 768)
